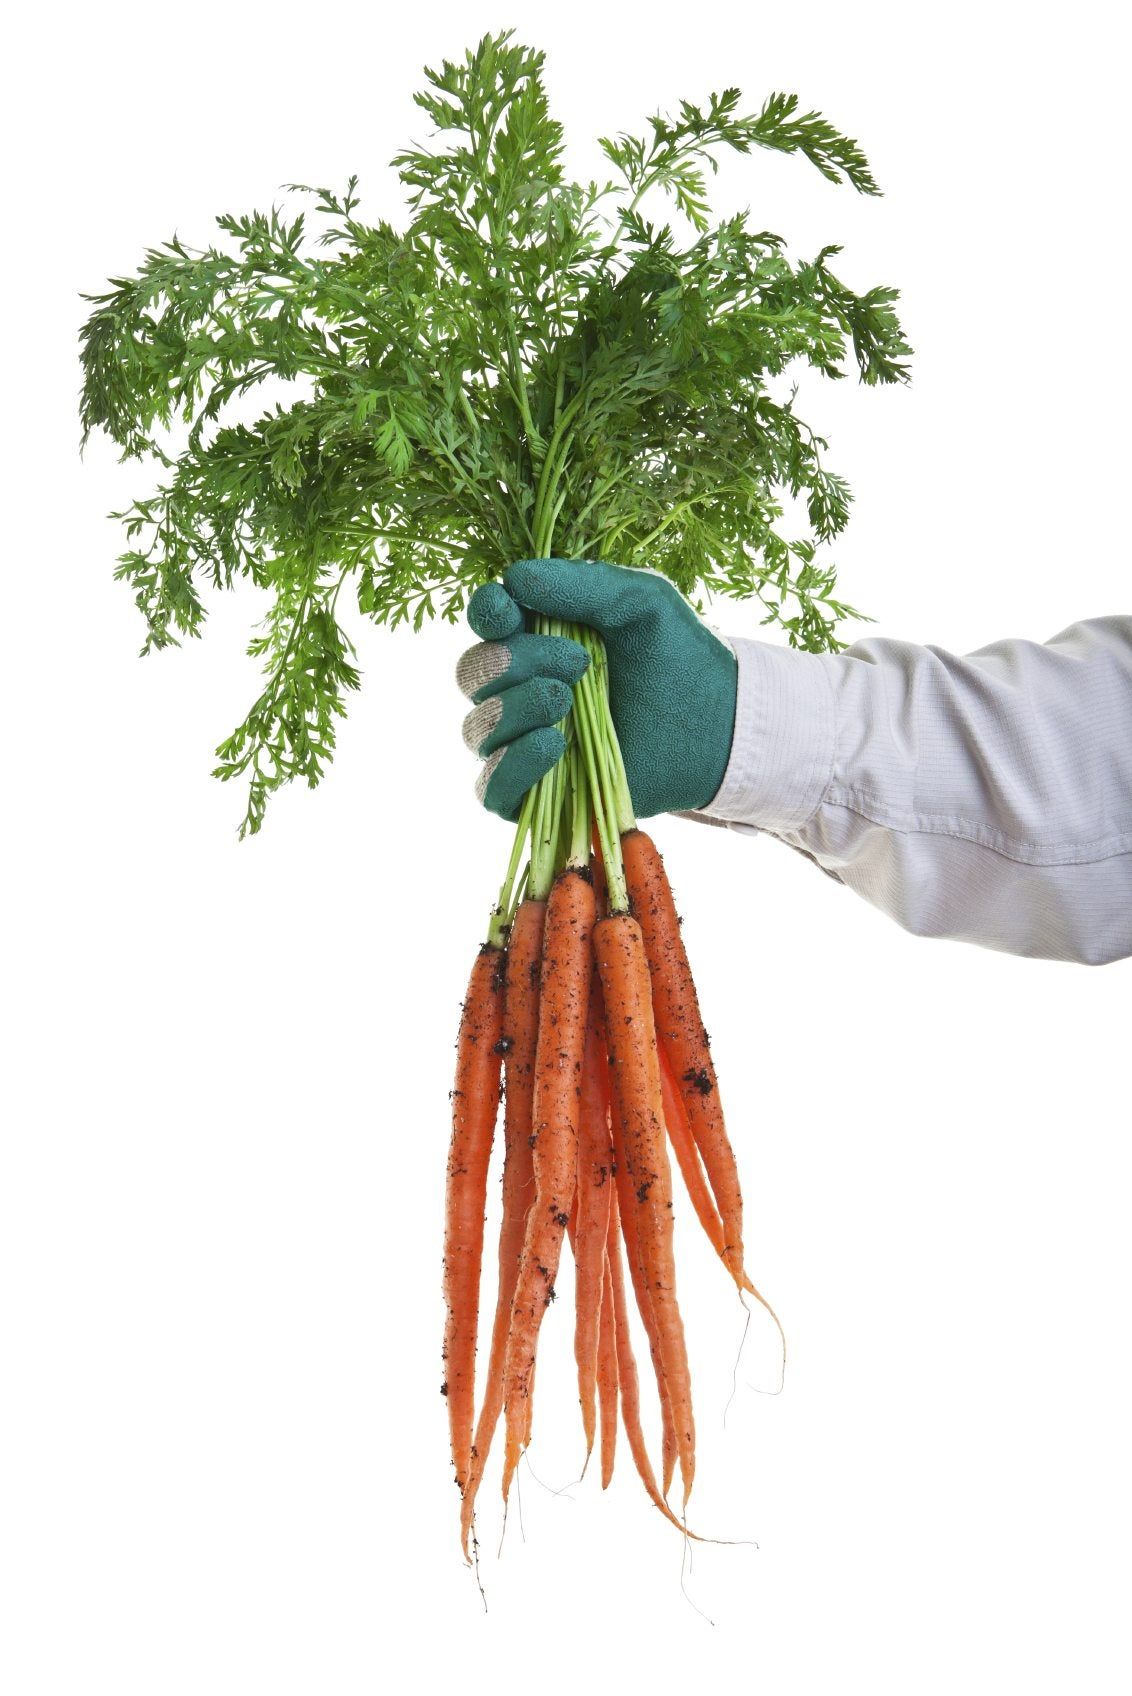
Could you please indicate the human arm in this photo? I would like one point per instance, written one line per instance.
(986, 798)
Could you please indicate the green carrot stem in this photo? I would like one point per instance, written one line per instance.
(509, 895)
(587, 718)
(581, 810)
(541, 523)
(588, 787)
(547, 835)
(621, 800)
(544, 836)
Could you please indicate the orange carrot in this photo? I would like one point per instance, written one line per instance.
(607, 1387)
(563, 1003)
(627, 1381)
(640, 1287)
(628, 1216)
(624, 975)
(624, 1224)
(518, 1042)
(691, 1168)
(475, 1103)
(681, 1031)
(595, 1183)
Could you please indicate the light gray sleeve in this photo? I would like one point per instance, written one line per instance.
(986, 797)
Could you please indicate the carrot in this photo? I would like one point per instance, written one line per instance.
(640, 1286)
(475, 1103)
(607, 1385)
(624, 1224)
(627, 1381)
(624, 975)
(627, 1214)
(595, 1184)
(518, 1042)
(677, 1119)
(563, 1003)
(681, 1031)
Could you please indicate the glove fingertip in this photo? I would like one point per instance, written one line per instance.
(557, 697)
(575, 661)
(493, 614)
(507, 774)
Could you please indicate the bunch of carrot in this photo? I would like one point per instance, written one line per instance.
(528, 367)
(582, 1016)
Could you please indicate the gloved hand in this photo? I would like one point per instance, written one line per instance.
(672, 683)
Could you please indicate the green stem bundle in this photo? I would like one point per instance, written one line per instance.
(588, 785)
(585, 794)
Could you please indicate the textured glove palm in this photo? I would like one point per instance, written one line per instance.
(672, 682)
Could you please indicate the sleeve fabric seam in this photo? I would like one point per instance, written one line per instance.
(831, 755)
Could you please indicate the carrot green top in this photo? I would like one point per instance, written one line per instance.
(530, 367)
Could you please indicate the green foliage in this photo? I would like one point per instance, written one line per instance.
(530, 367)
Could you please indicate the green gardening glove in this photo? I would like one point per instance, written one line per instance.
(672, 683)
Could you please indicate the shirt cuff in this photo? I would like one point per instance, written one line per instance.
(783, 745)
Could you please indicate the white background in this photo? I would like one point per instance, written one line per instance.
(223, 1456)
